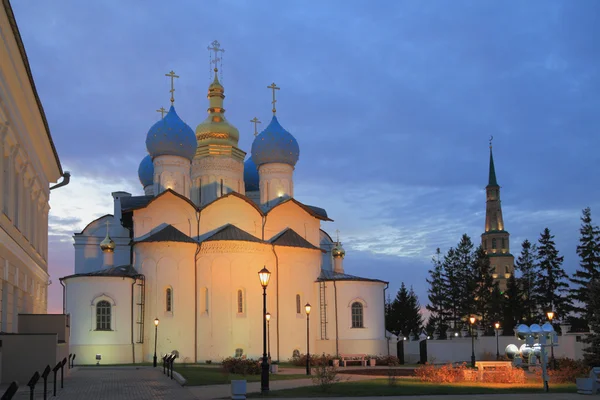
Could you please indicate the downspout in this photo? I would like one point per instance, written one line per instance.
(276, 283)
(337, 337)
(132, 318)
(196, 286)
(66, 178)
(387, 339)
(64, 296)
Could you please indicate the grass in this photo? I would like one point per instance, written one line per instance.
(214, 376)
(413, 387)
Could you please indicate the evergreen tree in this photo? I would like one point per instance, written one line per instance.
(467, 279)
(526, 265)
(551, 288)
(592, 352)
(482, 285)
(513, 305)
(589, 254)
(405, 313)
(452, 287)
(389, 317)
(437, 296)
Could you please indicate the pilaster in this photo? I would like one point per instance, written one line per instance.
(276, 182)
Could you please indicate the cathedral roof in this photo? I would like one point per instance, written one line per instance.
(171, 136)
(120, 271)
(134, 202)
(168, 234)
(290, 238)
(230, 232)
(336, 276)
(316, 212)
(275, 145)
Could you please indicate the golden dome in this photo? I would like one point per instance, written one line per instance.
(338, 251)
(107, 245)
(215, 129)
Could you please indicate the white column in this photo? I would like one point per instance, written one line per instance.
(3, 130)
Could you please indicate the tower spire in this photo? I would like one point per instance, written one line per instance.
(492, 178)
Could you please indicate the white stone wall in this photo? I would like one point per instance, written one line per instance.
(165, 210)
(82, 295)
(291, 215)
(172, 172)
(276, 182)
(215, 176)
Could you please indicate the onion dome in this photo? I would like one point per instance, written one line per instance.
(215, 129)
(107, 245)
(146, 171)
(171, 137)
(338, 251)
(251, 178)
(275, 145)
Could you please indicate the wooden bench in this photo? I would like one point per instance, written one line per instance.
(362, 358)
(482, 365)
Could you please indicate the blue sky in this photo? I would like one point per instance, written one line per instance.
(392, 103)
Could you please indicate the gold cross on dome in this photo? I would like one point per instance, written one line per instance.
(255, 121)
(172, 76)
(161, 111)
(337, 232)
(273, 87)
(216, 48)
(107, 224)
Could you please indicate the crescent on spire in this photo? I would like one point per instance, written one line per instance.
(491, 138)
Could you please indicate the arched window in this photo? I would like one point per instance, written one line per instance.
(494, 243)
(296, 353)
(503, 246)
(357, 315)
(169, 299)
(240, 301)
(506, 269)
(239, 353)
(298, 305)
(103, 311)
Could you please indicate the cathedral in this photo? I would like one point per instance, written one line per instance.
(177, 269)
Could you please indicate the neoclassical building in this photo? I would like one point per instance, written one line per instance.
(29, 163)
(189, 250)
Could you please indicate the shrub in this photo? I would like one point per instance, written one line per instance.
(505, 375)
(241, 366)
(324, 375)
(444, 374)
(300, 361)
(567, 370)
(386, 360)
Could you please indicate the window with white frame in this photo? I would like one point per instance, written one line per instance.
(103, 315)
(357, 315)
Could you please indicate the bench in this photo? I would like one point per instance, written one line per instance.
(482, 365)
(589, 385)
(362, 358)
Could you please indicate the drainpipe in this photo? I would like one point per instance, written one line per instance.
(276, 283)
(66, 179)
(387, 339)
(196, 254)
(337, 337)
(132, 318)
(64, 296)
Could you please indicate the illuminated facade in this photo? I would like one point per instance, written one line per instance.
(495, 239)
(189, 252)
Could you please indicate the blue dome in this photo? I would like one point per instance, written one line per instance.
(171, 137)
(275, 145)
(146, 171)
(251, 176)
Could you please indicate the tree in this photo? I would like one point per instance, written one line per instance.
(405, 313)
(588, 251)
(592, 352)
(467, 281)
(436, 295)
(526, 264)
(481, 285)
(452, 287)
(551, 288)
(512, 304)
(389, 317)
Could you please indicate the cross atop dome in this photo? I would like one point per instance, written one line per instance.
(216, 48)
(273, 87)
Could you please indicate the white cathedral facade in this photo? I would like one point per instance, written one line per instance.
(188, 253)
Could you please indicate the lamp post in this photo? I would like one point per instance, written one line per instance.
(497, 326)
(268, 317)
(155, 336)
(307, 309)
(472, 321)
(550, 315)
(264, 275)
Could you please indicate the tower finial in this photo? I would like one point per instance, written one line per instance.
(161, 111)
(172, 76)
(273, 87)
(337, 233)
(216, 48)
(107, 224)
(491, 138)
(255, 121)
(492, 172)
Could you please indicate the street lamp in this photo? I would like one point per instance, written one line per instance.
(268, 317)
(307, 309)
(264, 275)
(550, 315)
(155, 336)
(497, 326)
(472, 321)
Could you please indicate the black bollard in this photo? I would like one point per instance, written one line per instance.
(62, 367)
(32, 382)
(45, 377)
(165, 364)
(10, 392)
(172, 361)
(69, 363)
(73, 360)
(55, 370)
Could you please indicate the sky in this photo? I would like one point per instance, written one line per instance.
(392, 103)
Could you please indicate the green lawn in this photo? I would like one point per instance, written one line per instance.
(215, 376)
(413, 387)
